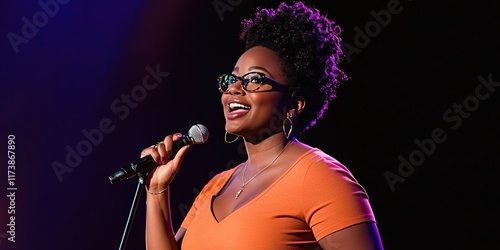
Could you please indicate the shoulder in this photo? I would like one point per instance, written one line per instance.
(218, 181)
(321, 171)
(203, 198)
(312, 155)
(213, 186)
(224, 174)
(316, 160)
(331, 198)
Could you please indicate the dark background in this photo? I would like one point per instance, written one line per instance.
(418, 72)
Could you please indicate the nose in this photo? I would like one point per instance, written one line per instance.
(236, 88)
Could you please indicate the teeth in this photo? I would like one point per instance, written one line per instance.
(238, 106)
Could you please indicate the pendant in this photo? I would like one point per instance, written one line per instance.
(238, 193)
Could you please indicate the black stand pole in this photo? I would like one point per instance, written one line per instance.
(133, 209)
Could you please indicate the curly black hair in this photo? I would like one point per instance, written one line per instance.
(309, 48)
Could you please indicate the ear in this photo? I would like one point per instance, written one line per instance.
(299, 103)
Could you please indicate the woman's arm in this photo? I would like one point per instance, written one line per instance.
(159, 233)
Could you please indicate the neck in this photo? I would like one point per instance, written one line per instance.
(262, 153)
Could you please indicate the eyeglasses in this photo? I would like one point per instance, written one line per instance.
(252, 82)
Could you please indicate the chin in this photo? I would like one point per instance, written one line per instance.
(231, 127)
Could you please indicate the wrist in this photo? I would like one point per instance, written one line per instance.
(156, 191)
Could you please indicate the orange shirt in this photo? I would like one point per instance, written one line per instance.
(315, 197)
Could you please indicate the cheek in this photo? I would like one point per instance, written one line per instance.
(271, 105)
(223, 100)
(269, 114)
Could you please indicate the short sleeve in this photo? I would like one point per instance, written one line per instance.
(333, 199)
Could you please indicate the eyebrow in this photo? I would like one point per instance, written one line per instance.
(236, 69)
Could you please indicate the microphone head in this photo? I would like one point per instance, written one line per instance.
(198, 134)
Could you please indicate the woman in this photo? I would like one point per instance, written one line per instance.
(286, 195)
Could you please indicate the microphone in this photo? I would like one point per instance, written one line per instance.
(198, 134)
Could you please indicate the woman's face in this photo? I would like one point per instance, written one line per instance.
(256, 113)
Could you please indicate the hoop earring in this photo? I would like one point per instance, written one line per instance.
(225, 138)
(289, 119)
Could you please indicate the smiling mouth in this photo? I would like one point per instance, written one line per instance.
(237, 106)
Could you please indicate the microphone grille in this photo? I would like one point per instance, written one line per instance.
(198, 134)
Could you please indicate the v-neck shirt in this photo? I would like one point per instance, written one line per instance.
(315, 197)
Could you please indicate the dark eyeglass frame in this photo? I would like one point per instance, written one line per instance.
(223, 87)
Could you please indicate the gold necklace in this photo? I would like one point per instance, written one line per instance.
(262, 170)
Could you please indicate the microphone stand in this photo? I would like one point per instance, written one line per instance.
(133, 209)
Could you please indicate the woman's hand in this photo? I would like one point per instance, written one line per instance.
(160, 178)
